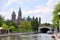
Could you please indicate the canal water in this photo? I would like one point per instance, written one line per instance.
(28, 37)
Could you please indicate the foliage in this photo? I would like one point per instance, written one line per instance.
(11, 23)
(55, 15)
(46, 24)
(25, 26)
(5, 27)
(12, 28)
(34, 24)
(1, 20)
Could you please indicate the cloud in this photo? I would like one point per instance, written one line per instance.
(38, 10)
(0, 0)
(30, 0)
(52, 2)
(20, 3)
(7, 14)
(45, 12)
(9, 2)
(44, 9)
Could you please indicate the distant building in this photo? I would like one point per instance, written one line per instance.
(13, 16)
(40, 21)
(19, 19)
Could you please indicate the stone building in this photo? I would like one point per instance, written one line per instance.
(13, 16)
(19, 18)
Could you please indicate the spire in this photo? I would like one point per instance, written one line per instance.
(37, 18)
(19, 16)
(19, 12)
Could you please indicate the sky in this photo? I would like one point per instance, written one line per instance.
(37, 8)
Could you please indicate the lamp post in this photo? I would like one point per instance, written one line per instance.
(59, 21)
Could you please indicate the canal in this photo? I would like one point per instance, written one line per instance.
(27, 37)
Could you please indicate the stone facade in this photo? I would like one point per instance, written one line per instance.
(13, 16)
(19, 18)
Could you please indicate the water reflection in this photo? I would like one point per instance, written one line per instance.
(28, 37)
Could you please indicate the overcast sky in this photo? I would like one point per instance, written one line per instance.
(36, 8)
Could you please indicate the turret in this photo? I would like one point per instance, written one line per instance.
(13, 16)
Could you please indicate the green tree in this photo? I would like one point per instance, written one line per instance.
(46, 24)
(25, 26)
(4, 26)
(11, 23)
(55, 15)
(1, 20)
(34, 24)
(12, 28)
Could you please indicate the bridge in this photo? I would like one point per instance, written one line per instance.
(44, 29)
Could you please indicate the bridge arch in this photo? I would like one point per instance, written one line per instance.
(44, 29)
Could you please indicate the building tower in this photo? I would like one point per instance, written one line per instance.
(19, 17)
(13, 16)
(39, 21)
(37, 18)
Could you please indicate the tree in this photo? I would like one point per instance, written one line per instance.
(11, 23)
(12, 28)
(1, 20)
(4, 26)
(25, 26)
(55, 15)
(46, 24)
(34, 24)
(8, 28)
